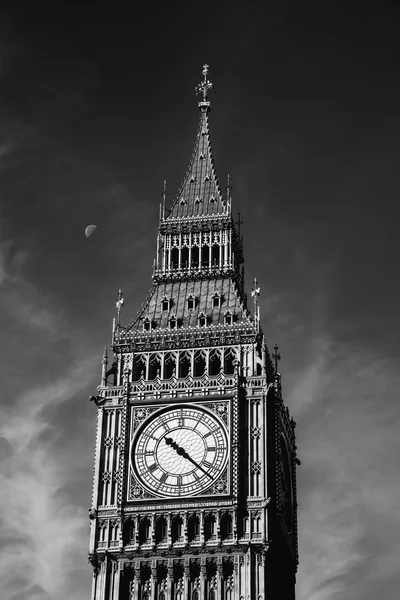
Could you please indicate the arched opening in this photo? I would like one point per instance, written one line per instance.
(174, 258)
(226, 526)
(139, 368)
(210, 529)
(229, 358)
(199, 363)
(184, 364)
(205, 256)
(177, 529)
(154, 366)
(161, 530)
(214, 367)
(169, 366)
(194, 528)
(144, 531)
(195, 257)
(184, 258)
(215, 255)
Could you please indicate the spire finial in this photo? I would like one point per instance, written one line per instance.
(203, 88)
(119, 304)
(255, 293)
(276, 356)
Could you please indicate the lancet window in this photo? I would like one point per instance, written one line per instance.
(194, 528)
(216, 301)
(177, 529)
(184, 364)
(161, 530)
(199, 363)
(169, 365)
(139, 368)
(226, 526)
(210, 529)
(214, 363)
(228, 318)
(154, 366)
(144, 530)
(229, 361)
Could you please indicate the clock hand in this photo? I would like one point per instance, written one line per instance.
(182, 452)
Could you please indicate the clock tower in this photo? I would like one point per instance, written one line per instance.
(194, 492)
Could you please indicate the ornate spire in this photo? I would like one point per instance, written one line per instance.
(200, 193)
(203, 88)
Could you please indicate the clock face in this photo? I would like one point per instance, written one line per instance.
(286, 484)
(180, 451)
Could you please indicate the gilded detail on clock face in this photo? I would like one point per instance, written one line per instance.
(180, 451)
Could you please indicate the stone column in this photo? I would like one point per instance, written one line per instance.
(170, 580)
(186, 593)
(154, 580)
(220, 579)
(203, 576)
(137, 580)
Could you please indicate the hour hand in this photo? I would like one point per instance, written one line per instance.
(182, 452)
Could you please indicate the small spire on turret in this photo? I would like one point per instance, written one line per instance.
(119, 304)
(104, 364)
(255, 293)
(164, 198)
(277, 357)
(228, 192)
(203, 88)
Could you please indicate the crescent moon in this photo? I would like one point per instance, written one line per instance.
(90, 229)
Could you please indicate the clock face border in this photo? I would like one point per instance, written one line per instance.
(196, 481)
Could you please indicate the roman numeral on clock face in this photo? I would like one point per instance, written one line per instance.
(152, 467)
(163, 477)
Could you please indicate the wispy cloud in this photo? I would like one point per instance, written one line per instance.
(347, 442)
(42, 529)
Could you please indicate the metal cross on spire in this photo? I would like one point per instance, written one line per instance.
(203, 87)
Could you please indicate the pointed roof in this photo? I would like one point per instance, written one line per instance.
(202, 292)
(200, 193)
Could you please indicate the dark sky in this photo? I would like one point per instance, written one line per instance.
(97, 108)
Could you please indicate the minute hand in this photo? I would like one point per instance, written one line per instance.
(182, 452)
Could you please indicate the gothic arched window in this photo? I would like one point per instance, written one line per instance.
(154, 367)
(215, 255)
(214, 367)
(139, 367)
(194, 528)
(199, 363)
(228, 318)
(226, 526)
(184, 364)
(169, 366)
(161, 530)
(229, 358)
(210, 527)
(202, 320)
(177, 529)
(174, 258)
(185, 258)
(144, 530)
